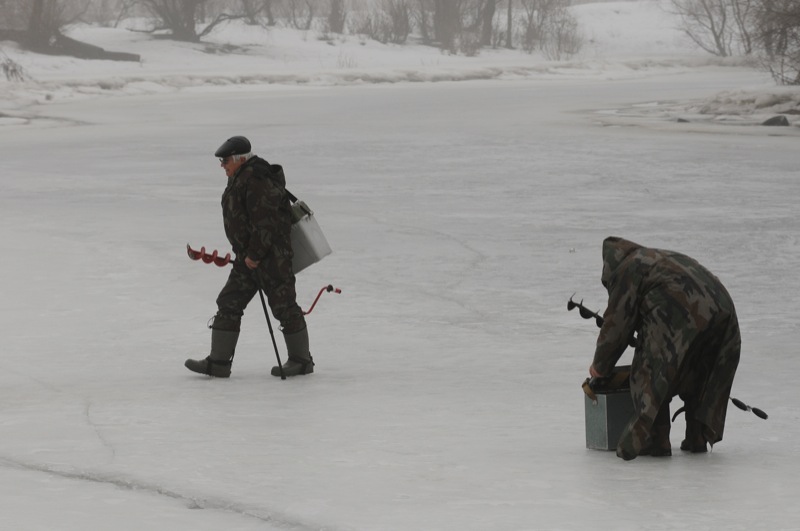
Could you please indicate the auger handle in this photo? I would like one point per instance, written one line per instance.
(329, 288)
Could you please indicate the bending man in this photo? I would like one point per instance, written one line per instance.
(688, 344)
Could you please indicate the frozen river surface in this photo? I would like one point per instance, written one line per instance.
(447, 393)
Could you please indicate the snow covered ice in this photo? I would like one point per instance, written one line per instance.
(462, 214)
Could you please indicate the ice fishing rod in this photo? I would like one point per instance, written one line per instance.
(222, 261)
(586, 313)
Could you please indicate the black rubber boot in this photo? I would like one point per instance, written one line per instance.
(218, 363)
(659, 435)
(300, 360)
(694, 442)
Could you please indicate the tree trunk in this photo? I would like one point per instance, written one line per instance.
(268, 11)
(43, 35)
(509, 27)
(63, 45)
(446, 23)
(486, 25)
(38, 33)
(423, 22)
(336, 16)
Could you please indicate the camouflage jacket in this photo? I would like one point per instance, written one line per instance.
(668, 287)
(256, 211)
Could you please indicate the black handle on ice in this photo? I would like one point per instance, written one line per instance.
(744, 407)
(736, 402)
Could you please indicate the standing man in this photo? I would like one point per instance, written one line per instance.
(688, 344)
(256, 213)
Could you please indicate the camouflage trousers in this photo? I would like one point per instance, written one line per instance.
(276, 279)
(692, 363)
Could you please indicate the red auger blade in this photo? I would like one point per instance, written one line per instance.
(194, 255)
(222, 262)
(208, 258)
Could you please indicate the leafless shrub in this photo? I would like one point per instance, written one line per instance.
(468, 42)
(562, 37)
(12, 70)
(48, 17)
(181, 17)
(337, 14)
(743, 14)
(387, 22)
(398, 17)
(534, 17)
(298, 13)
(108, 12)
(778, 38)
(708, 23)
(177, 16)
(251, 11)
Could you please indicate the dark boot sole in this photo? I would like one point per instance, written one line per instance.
(277, 372)
(657, 452)
(200, 368)
(694, 449)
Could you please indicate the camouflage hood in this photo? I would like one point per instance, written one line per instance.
(615, 251)
(271, 171)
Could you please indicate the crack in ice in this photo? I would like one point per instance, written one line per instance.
(191, 502)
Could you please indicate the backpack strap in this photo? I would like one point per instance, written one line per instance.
(297, 207)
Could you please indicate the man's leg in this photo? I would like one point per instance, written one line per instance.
(231, 302)
(279, 283)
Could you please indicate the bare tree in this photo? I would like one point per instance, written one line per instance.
(399, 15)
(337, 14)
(725, 27)
(178, 16)
(101, 12)
(268, 4)
(447, 23)
(458, 25)
(300, 13)
(386, 21)
(509, 26)
(488, 9)
(777, 30)
(743, 12)
(181, 17)
(11, 69)
(424, 9)
(535, 15)
(251, 10)
(707, 23)
(561, 35)
(47, 17)
(38, 25)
